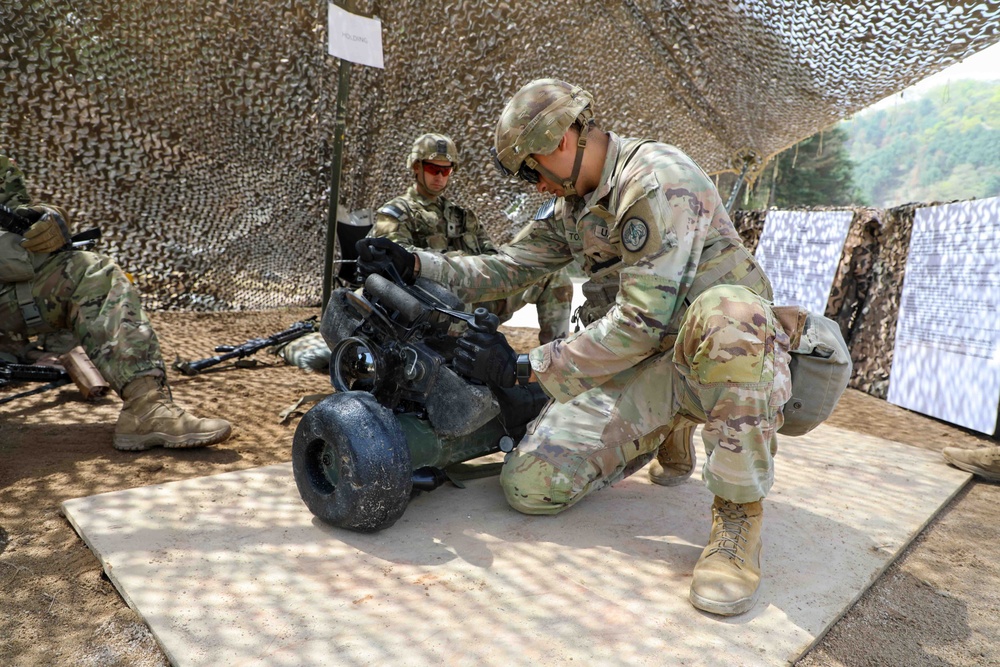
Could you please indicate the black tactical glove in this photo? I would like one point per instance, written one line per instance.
(382, 256)
(486, 357)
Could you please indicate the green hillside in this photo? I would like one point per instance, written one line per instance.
(942, 146)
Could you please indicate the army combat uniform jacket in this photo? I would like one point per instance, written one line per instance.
(417, 223)
(654, 257)
(657, 227)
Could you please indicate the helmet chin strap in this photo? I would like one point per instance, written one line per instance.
(568, 185)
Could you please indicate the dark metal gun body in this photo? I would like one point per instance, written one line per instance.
(15, 222)
(51, 376)
(248, 348)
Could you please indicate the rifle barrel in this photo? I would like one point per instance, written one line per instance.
(36, 390)
(248, 348)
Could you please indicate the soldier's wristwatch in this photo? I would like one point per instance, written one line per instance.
(522, 369)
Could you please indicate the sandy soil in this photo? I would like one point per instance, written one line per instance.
(939, 604)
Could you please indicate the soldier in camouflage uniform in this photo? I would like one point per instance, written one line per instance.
(46, 288)
(424, 219)
(682, 330)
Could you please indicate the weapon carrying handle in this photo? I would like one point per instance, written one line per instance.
(484, 321)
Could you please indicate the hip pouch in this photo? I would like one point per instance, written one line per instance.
(820, 368)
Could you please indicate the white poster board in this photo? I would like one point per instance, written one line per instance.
(946, 359)
(800, 252)
(354, 38)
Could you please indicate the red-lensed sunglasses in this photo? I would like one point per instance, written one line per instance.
(436, 169)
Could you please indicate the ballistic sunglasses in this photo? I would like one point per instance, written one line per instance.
(436, 169)
(524, 172)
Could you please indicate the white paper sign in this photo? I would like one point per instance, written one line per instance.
(946, 359)
(354, 38)
(800, 252)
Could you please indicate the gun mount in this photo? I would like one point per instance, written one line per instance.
(400, 415)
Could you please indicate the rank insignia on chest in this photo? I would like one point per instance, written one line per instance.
(635, 233)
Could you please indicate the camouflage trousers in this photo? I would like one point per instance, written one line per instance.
(88, 295)
(727, 370)
(553, 298)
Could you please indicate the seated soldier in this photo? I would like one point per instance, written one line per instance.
(46, 286)
(423, 219)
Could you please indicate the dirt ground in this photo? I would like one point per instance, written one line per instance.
(939, 604)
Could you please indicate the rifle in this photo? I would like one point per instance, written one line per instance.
(253, 345)
(19, 224)
(75, 366)
(15, 222)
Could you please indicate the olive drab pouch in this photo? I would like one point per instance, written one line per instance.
(820, 368)
(15, 262)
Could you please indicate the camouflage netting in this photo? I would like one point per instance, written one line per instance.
(867, 287)
(198, 135)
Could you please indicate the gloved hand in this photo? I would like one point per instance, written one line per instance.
(378, 255)
(486, 357)
(49, 234)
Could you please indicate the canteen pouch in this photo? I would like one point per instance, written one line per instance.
(820, 368)
(15, 262)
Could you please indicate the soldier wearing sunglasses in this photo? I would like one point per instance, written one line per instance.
(424, 219)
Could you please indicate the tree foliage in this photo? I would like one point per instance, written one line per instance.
(816, 172)
(940, 147)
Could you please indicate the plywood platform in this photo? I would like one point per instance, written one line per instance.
(234, 570)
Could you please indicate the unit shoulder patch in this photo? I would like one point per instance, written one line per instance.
(635, 234)
(546, 210)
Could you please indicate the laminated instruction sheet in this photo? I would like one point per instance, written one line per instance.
(800, 252)
(946, 359)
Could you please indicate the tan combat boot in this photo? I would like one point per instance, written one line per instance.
(675, 458)
(150, 418)
(727, 575)
(984, 461)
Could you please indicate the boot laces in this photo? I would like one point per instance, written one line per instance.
(163, 406)
(731, 540)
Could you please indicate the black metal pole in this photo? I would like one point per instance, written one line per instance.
(340, 129)
(736, 187)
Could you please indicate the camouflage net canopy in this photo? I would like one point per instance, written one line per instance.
(199, 135)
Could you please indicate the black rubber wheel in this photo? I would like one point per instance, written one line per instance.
(351, 462)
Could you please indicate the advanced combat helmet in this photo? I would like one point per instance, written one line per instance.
(534, 121)
(433, 147)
